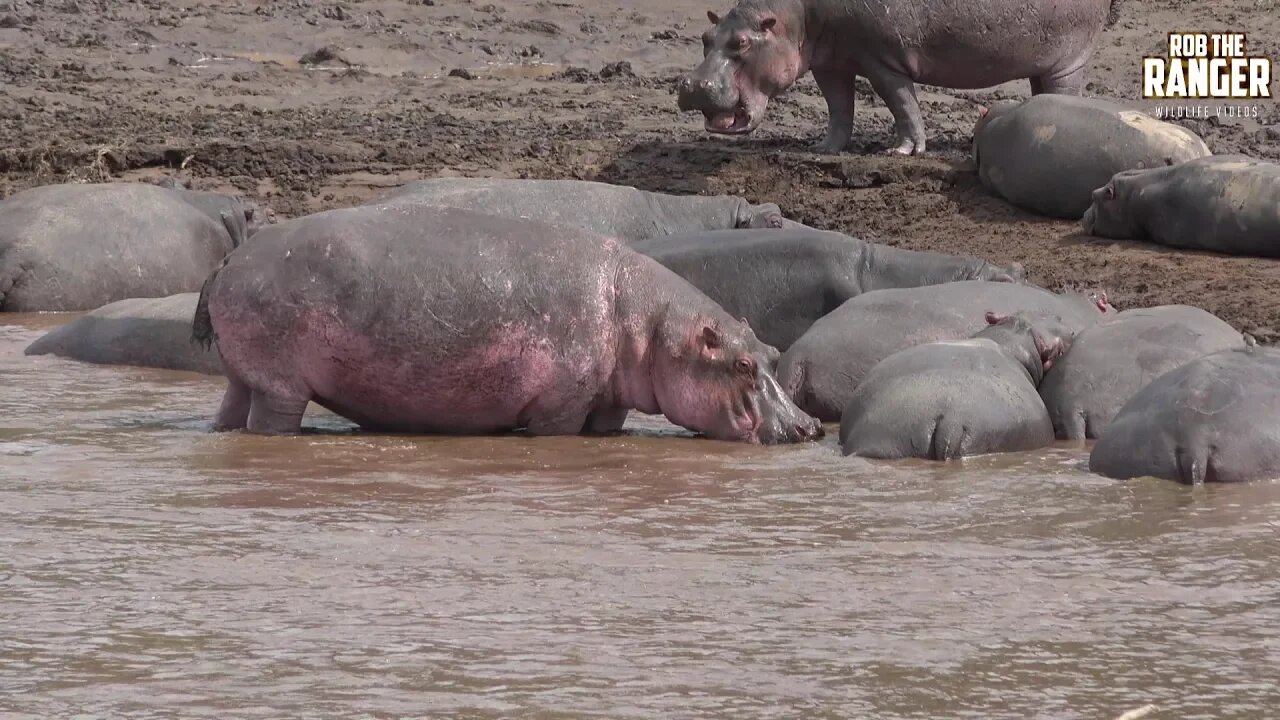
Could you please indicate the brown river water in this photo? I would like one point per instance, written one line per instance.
(152, 569)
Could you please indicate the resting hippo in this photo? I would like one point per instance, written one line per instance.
(761, 47)
(1049, 153)
(78, 247)
(1211, 420)
(1110, 362)
(1223, 203)
(946, 400)
(476, 324)
(145, 332)
(612, 210)
(780, 281)
(823, 368)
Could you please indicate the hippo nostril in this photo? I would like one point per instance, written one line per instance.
(706, 84)
(684, 84)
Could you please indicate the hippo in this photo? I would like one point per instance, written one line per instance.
(952, 399)
(780, 281)
(78, 247)
(142, 332)
(477, 323)
(1211, 420)
(761, 47)
(616, 211)
(1049, 153)
(824, 367)
(1223, 203)
(1110, 362)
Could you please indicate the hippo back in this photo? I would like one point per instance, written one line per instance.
(1211, 420)
(78, 247)
(1110, 362)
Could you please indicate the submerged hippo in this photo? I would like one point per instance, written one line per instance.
(1211, 420)
(1222, 203)
(143, 332)
(761, 47)
(780, 281)
(951, 399)
(477, 324)
(1049, 153)
(1110, 362)
(825, 366)
(78, 247)
(612, 210)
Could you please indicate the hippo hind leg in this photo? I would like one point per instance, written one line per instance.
(233, 414)
(275, 415)
(606, 421)
(1060, 82)
(899, 93)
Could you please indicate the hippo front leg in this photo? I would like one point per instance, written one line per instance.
(837, 89)
(899, 92)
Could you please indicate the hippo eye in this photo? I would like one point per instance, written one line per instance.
(744, 366)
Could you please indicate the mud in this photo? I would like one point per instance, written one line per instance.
(308, 105)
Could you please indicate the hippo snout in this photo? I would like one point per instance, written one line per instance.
(783, 421)
(693, 94)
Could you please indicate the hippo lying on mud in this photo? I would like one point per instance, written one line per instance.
(1110, 362)
(143, 332)
(781, 281)
(1049, 153)
(761, 47)
(1211, 420)
(825, 366)
(78, 247)
(477, 324)
(1222, 203)
(946, 400)
(611, 210)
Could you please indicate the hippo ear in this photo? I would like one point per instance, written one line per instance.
(983, 110)
(714, 18)
(1049, 350)
(1100, 299)
(768, 23)
(711, 337)
(995, 319)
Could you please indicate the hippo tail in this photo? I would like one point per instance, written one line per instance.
(948, 439)
(202, 323)
(1113, 13)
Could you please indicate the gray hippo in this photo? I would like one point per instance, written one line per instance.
(951, 399)
(1223, 203)
(618, 211)
(1211, 420)
(780, 281)
(1110, 362)
(78, 247)
(824, 367)
(477, 324)
(761, 47)
(1049, 153)
(143, 332)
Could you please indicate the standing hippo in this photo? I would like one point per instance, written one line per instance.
(1211, 420)
(475, 324)
(1049, 153)
(761, 47)
(612, 210)
(825, 366)
(780, 281)
(946, 400)
(143, 332)
(1110, 362)
(78, 247)
(1222, 203)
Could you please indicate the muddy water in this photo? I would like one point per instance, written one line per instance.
(149, 568)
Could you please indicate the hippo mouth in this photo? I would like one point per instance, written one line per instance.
(730, 123)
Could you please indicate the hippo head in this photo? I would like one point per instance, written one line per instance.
(756, 217)
(749, 56)
(1107, 216)
(257, 217)
(1036, 340)
(715, 377)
